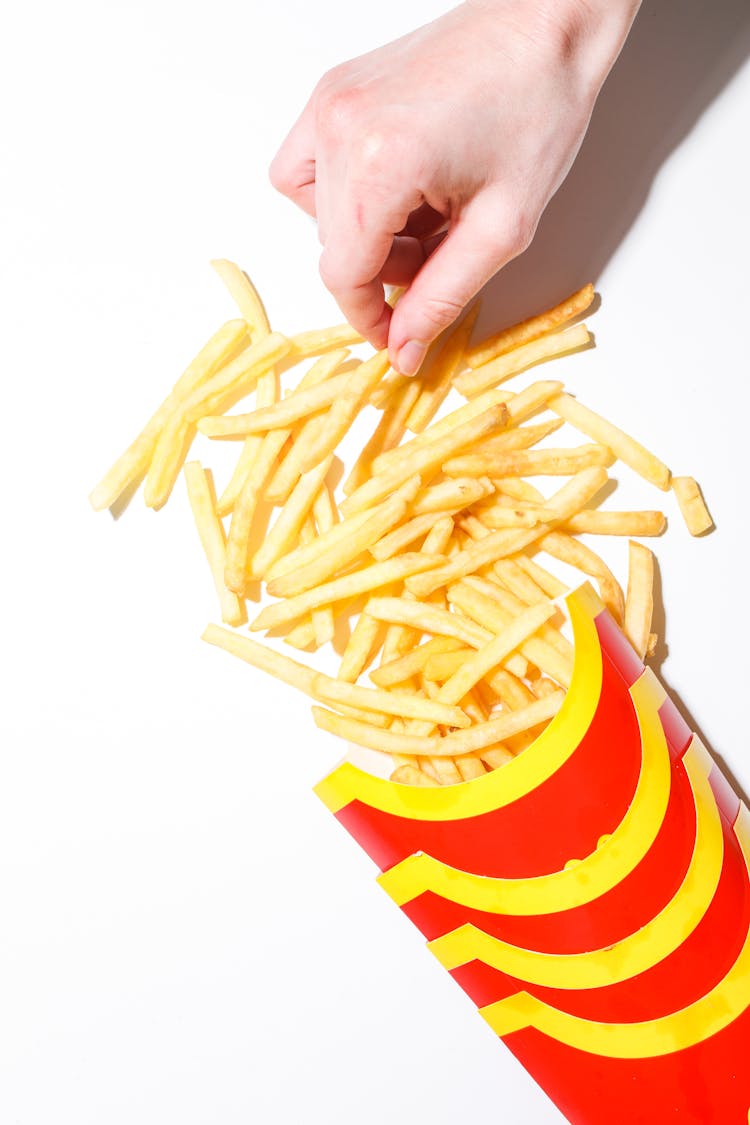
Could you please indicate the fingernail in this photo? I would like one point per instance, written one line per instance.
(410, 357)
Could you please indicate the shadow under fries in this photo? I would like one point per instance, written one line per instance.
(678, 58)
(658, 625)
(123, 501)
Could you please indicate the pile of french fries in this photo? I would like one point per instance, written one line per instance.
(427, 560)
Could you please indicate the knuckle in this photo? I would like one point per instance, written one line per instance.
(331, 273)
(338, 108)
(439, 312)
(374, 151)
(517, 231)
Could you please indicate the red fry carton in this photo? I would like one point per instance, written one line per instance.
(591, 897)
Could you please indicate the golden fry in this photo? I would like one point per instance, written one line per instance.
(471, 383)
(532, 328)
(529, 462)
(200, 493)
(434, 746)
(425, 460)
(245, 296)
(498, 544)
(134, 462)
(438, 377)
(359, 582)
(624, 447)
(692, 505)
(577, 554)
(596, 522)
(639, 603)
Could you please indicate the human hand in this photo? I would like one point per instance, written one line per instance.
(429, 161)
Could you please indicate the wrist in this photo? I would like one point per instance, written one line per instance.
(587, 34)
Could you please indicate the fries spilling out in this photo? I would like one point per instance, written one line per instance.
(432, 558)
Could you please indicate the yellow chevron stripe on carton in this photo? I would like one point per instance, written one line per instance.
(633, 954)
(647, 1038)
(577, 883)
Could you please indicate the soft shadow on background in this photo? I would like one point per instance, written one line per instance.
(678, 58)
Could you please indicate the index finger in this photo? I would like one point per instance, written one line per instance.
(358, 245)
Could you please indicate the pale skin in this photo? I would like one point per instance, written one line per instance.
(429, 161)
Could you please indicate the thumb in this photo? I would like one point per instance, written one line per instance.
(479, 243)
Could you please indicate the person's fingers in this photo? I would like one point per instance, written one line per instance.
(477, 245)
(423, 222)
(358, 241)
(293, 170)
(404, 261)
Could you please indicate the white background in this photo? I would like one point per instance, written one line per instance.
(186, 935)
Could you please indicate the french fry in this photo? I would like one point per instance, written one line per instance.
(439, 536)
(347, 405)
(285, 413)
(469, 766)
(531, 462)
(359, 582)
(366, 638)
(389, 702)
(519, 406)
(426, 460)
(481, 600)
(476, 666)
(499, 516)
(692, 505)
(324, 688)
(405, 535)
(412, 775)
(624, 447)
(388, 433)
(639, 603)
(396, 671)
(237, 378)
(285, 531)
(517, 489)
(345, 545)
(577, 554)
(318, 341)
(452, 495)
(551, 585)
(221, 349)
(498, 544)
(301, 556)
(240, 527)
(473, 665)
(213, 539)
(231, 382)
(522, 437)
(496, 756)
(439, 376)
(429, 619)
(472, 383)
(595, 522)
(302, 636)
(266, 395)
(245, 296)
(322, 619)
(289, 470)
(325, 510)
(399, 638)
(443, 664)
(438, 746)
(532, 328)
(445, 769)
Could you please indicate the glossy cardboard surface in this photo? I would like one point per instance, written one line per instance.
(592, 897)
